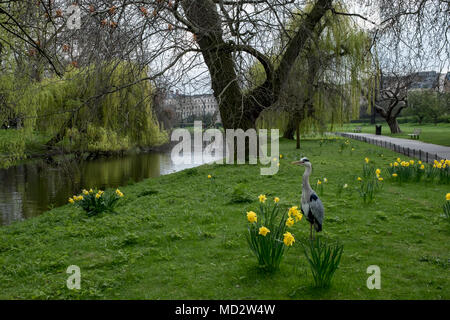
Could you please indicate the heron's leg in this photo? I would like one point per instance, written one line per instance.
(310, 231)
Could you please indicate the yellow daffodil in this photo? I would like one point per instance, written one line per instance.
(85, 192)
(325, 180)
(119, 193)
(394, 175)
(380, 179)
(419, 162)
(281, 156)
(366, 159)
(439, 165)
(278, 164)
(390, 164)
(359, 179)
(252, 217)
(288, 239)
(98, 195)
(290, 222)
(442, 161)
(422, 167)
(319, 182)
(294, 212)
(447, 196)
(262, 198)
(71, 200)
(263, 231)
(298, 216)
(91, 191)
(411, 161)
(406, 164)
(291, 210)
(395, 164)
(399, 160)
(276, 200)
(378, 171)
(209, 176)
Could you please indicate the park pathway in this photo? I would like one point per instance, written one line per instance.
(412, 148)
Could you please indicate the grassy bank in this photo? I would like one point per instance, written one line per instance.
(437, 134)
(181, 236)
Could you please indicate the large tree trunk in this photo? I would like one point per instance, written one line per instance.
(393, 125)
(290, 129)
(297, 145)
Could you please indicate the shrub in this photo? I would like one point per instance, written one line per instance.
(96, 202)
(267, 234)
(323, 259)
(240, 194)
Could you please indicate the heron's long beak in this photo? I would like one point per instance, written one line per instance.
(298, 163)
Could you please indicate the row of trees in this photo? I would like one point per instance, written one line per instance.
(428, 105)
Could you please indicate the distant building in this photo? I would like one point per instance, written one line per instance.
(186, 106)
(424, 80)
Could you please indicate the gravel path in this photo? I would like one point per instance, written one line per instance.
(412, 148)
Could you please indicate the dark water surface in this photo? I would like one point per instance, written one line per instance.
(29, 189)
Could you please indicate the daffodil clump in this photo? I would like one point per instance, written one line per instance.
(324, 259)
(447, 206)
(443, 169)
(368, 169)
(268, 236)
(96, 202)
(371, 181)
(412, 170)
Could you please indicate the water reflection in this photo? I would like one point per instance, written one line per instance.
(29, 189)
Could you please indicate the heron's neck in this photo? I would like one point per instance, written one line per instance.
(306, 175)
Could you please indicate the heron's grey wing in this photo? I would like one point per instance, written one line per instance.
(316, 207)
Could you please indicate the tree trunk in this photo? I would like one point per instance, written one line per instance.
(290, 129)
(393, 125)
(297, 134)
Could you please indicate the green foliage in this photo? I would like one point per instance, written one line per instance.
(326, 80)
(446, 208)
(94, 202)
(428, 105)
(76, 111)
(12, 147)
(323, 258)
(240, 194)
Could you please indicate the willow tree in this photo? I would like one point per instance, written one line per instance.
(76, 114)
(324, 84)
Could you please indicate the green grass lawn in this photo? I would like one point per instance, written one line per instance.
(437, 134)
(180, 237)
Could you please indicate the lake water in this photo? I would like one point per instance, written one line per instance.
(29, 189)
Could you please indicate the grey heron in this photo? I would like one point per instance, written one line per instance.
(311, 204)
